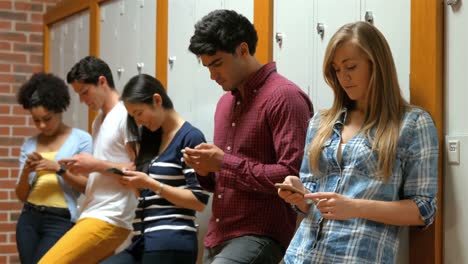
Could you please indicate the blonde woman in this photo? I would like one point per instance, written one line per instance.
(370, 161)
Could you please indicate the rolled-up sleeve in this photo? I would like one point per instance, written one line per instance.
(421, 167)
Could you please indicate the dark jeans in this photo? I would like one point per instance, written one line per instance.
(38, 229)
(160, 257)
(245, 249)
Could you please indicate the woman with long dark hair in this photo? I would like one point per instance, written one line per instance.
(165, 230)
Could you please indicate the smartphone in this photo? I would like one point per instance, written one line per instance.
(116, 171)
(288, 187)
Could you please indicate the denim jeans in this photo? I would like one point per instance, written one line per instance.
(245, 249)
(37, 231)
(160, 257)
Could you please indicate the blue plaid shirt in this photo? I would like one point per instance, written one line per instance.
(358, 240)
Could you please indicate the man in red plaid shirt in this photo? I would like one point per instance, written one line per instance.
(260, 129)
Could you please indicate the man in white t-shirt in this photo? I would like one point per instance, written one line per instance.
(109, 208)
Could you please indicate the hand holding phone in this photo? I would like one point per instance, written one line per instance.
(287, 187)
(115, 171)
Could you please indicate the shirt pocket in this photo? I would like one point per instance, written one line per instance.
(327, 157)
(364, 162)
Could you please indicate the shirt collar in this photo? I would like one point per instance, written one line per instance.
(256, 81)
(342, 119)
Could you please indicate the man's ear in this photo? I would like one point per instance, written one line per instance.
(102, 80)
(244, 49)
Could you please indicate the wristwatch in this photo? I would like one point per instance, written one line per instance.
(62, 169)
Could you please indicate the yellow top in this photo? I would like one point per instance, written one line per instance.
(46, 190)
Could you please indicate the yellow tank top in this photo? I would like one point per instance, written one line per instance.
(46, 190)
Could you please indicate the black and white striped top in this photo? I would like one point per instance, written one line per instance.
(164, 225)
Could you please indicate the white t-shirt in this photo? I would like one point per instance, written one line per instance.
(106, 199)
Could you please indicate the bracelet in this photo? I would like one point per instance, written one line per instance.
(160, 188)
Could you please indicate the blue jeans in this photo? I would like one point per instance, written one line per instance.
(37, 231)
(249, 249)
(160, 257)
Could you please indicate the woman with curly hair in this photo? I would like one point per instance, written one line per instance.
(49, 192)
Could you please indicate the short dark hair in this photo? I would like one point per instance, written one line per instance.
(88, 70)
(222, 30)
(46, 90)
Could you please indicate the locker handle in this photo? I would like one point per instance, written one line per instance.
(320, 29)
(120, 70)
(172, 60)
(279, 38)
(140, 66)
(369, 17)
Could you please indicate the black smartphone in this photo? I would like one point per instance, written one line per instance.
(288, 187)
(116, 171)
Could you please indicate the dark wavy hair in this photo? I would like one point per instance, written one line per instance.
(88, 70)
(140, 90)
(46, 90)
(222, 30)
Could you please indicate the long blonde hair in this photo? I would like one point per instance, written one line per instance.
(386, 106)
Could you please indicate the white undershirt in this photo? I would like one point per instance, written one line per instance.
(340, 151)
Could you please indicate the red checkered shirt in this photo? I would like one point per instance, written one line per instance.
(263, 136)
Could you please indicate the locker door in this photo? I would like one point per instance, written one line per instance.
(393, 19)
(331, 14)
(76, 44)
(292, 44)
(245, 7)
(206, 91)
(129, 34)
(110, 39)
(181, 64)
(55, 66)
(146, 54)
(69, 43)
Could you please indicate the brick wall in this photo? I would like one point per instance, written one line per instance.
(20, 56)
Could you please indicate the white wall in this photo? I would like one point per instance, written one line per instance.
(456, 128)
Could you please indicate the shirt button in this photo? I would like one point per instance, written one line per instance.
(219, 196)
(255, 90)
(217, 220)
(238, 103)
(228, 148)
(233, 124)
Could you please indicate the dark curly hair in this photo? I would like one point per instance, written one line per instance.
(46, 90)
(222, 30)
